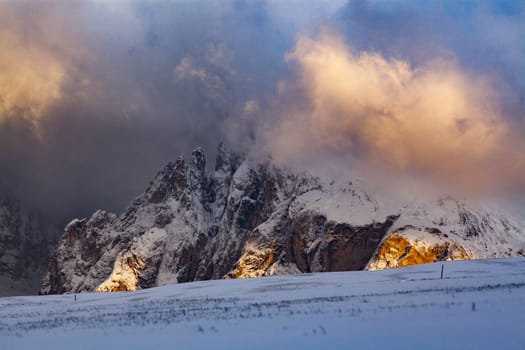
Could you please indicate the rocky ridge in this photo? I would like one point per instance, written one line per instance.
(249, 218)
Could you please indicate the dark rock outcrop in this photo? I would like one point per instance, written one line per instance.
(24, 249)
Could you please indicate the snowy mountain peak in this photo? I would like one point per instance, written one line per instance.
(248, 218)
(226, 162)
(198, 160)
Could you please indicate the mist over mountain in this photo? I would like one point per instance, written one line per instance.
(97, 95)
(417, 99)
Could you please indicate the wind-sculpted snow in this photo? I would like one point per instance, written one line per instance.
(479, 304)
(248, 218)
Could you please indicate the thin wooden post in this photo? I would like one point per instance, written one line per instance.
(442, 267)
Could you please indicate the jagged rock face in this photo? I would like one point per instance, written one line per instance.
(399, 251)
(447, 230)
(24, 249)
(245, 219)
(187, 226)
(312, 244)
(80, 254)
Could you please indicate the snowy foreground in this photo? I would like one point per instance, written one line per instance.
(478, 305)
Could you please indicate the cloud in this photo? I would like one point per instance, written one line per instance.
(186, 70)
(209, 76)
(382, 114)
(31, 78)
(482, 36)
(97, 95)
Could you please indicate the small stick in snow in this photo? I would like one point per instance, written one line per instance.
(75, 297)
(442, 267)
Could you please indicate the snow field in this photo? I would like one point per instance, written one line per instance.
(480, 304)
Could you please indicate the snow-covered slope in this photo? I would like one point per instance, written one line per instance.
(250, 219)
(448, 229)
(24, 249)
(480, 304)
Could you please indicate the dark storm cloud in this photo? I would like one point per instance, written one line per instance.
(95, 96)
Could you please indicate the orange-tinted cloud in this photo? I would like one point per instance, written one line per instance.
(30, 79)
(383, 114)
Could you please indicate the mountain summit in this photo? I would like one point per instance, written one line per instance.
(250, 218)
